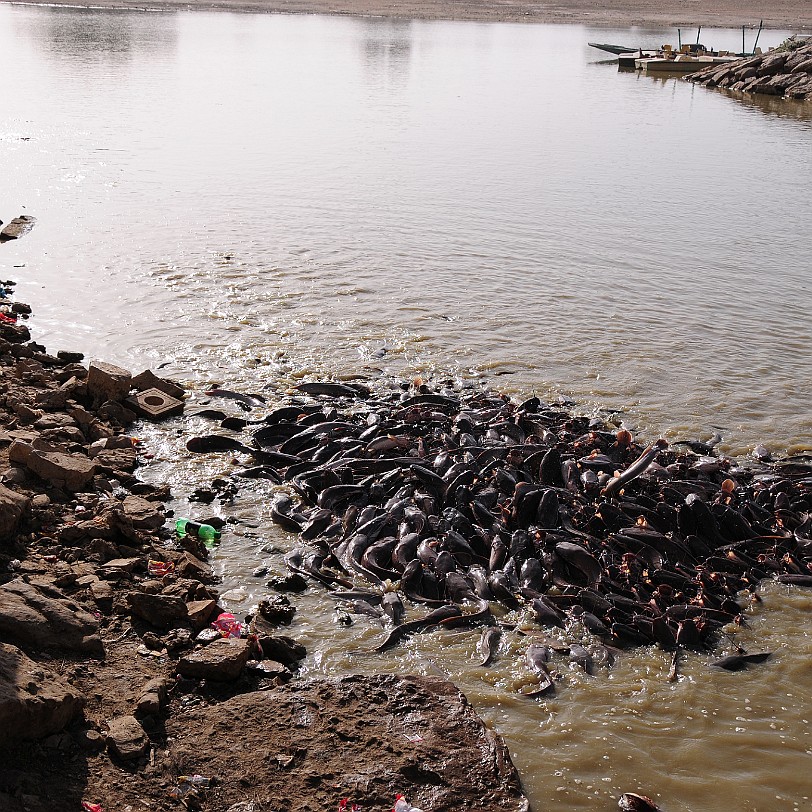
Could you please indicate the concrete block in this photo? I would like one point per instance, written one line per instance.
(149, 380)
(107, 382)
(154, 404)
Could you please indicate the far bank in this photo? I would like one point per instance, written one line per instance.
(781, 14)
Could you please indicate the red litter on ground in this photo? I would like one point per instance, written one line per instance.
(228, 625)
(160, 568)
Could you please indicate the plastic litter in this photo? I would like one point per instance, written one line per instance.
(160, 568)
(402, 805)
(188, 784)
(89, 807)
(343, 806)
(228, 625)
(205, 532)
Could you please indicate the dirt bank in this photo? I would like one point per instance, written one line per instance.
(783, 14)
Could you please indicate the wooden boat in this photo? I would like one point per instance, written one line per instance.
(629, 60)
(681, 63)
(612, 49)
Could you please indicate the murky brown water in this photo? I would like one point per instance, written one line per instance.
(256, 199)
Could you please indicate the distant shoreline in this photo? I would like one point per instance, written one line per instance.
(793, 15)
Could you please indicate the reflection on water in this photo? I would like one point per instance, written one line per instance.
(82, 34)
(387, 45)
(772, 106)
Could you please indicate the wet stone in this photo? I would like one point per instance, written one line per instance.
(222, 660)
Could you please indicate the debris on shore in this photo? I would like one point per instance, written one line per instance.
(785, 71)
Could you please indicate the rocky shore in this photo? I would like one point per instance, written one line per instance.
(116, 692)
(784, 72)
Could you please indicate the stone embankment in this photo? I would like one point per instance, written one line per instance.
(786, 72)
(115, 690)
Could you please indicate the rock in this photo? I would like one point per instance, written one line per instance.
(285, 650)
(102, 593)
(126, 738)
(801, 91)
(412, 735)
(190, 566)
(90, 740)
(72, 472)
(293, 582)
(34, 701)
(277, 610)
(14, 333)
(804, 66)
(200, 613)
(772, 63)
(777, 73)
(177, 639)
(161, 611)
(111, 461)
(107, 382)
(143, 514)
(13, 506)
(45, 618)
(269, 669)
(118, 566)
(18, 227)
(153, 697)
(222, 660)
(114, 412)
(70, 357)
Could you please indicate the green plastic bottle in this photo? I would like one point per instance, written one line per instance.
(205, 532)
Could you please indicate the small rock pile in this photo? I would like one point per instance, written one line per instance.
(786, 73)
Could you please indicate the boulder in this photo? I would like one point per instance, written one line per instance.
(43, 617)
(126, 738)
(14, 333)
(107, 382)
(143, 514)
(772, 63)
(200, 613)
(222, 660)
(114, 460)
(161, 611)
(369, 737)
(72, 472)
(34, 701)
(13, 506)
